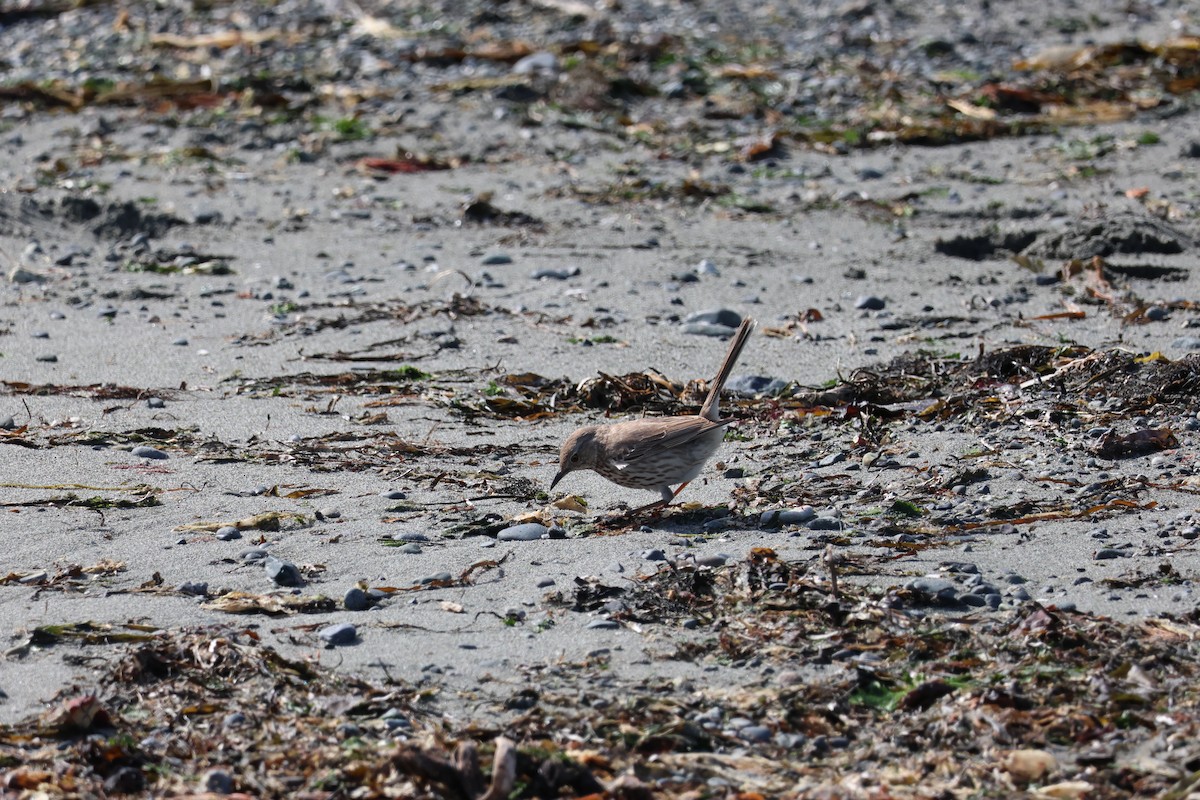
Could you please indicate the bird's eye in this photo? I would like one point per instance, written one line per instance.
(574, 459)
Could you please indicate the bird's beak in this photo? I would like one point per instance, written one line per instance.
(557, 478)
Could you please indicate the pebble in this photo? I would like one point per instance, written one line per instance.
(654, 555)
(602, 625)
(831, 459)
(284, 573)
(180, 342)
(47, 358)
(714, 560)
(495, 259)
(755, 733)
(338, 634)
(723, 317)
(437, 577)
(525, 532)
(1186, 343)
(155, 402)
(228, 533)
(253, 554)
(756, 385)
(555, 274)
(8, 423)
(198, 588)
(411, 549)
(934, 588)
(143, 451)
(356, 600)
(825, 524)
(217, 781)
(787, 516)
(1106, 553)
(869, 302)
(706, 267)
(545, 582)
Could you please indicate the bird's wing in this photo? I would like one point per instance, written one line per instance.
(663, 434)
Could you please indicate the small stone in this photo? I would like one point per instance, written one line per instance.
(22, 275)
(356, 600)
(143, 451)
(545, 582)
(708, 268)
(787, 516)
(525, 532)
(755, 733)
(1186, 343)
(753, 385)
(338, 634)
(934, 588)
(47, 358)
(155, 402)
(217, 781)
(825, 524)
(198, 588)
(714, 560)
(602, 625)
(284, 573)
(654, 555)
(180, 342)
(393, 494)
(555, 274)
(253, 554)
(1106, 553)
(496, 259)
(228, 533)
(869, 302)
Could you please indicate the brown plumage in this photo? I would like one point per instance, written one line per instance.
(655, 453)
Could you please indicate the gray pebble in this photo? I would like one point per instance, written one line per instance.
(869, 302)
(253, 554)
(654, 555)
(198, 588)
(706, 267)
(393, 494)
(142, 451)
(555, 274)
(338, 634)
(217, 781)
(525, 532)
(705, 329)
(155, 402)
(48, 358)
(1186, 343)
(720, 317)
(227, 533)
(787, 516)
(356, 599)
(1105, 553)
(8, 423)
(412, 536)
(495, 259)
(714, 560)
(755, 733)
(437, 577)
(602, 625)
(930, 586)
(40, 334)
(284, 573)
(831, 459)
(410, 549)
(180, 342)
(825, 524)
(545, 582)
(756, 385)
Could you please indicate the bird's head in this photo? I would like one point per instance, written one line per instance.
(579, 451)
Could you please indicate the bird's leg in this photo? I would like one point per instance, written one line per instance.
(659, 506)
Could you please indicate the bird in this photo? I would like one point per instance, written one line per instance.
(655, 453)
